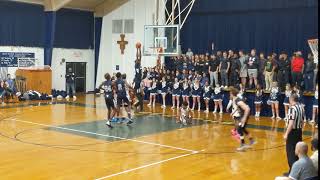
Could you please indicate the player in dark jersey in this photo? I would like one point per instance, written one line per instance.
(108, 90)
(240, 113)
(122, 98)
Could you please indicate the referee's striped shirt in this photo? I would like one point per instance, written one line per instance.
(295, 114)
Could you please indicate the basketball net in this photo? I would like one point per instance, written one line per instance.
(313, 44)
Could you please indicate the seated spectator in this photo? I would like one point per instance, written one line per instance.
(303, 168)
(314, 147)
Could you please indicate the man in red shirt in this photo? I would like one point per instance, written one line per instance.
(297, 66)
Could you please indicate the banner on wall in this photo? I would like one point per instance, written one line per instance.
(17, 59)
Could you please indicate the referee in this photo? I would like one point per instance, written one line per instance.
(294, 131)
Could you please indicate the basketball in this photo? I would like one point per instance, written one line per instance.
(138, 45)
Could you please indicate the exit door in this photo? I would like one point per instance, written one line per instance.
(79, 69)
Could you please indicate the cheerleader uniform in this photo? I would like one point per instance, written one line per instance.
(164, 87)
(274, 95)
(196, 91)
(207, 93)
(153, 89)
(286, 99)
(217, 94)
(176, 89)
(315, 100)
(258, 97)
(186, 90)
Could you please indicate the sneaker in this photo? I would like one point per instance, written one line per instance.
(278, 118)
(242, 147)
(272, 117)
(192, 109)
(129, 122)
(172, 107)
(199, 110)
(252, 142)
(215, 111)
(67, 98)
(206, 111)
(108, 124)
(163, 106)
(221, 112)
(311, 122)
(149, 104)
(74, 98)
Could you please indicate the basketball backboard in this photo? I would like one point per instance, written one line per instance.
(161, 40)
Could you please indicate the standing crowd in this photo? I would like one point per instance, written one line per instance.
(191, 78)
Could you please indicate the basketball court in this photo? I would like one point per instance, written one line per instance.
(66, 140)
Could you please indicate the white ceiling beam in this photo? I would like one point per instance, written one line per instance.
(108, 6)
(58, 4)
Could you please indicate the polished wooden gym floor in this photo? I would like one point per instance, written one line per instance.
(66, 140)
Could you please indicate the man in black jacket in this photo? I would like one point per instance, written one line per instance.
(234, 70)
(283, 71)
(309, 73)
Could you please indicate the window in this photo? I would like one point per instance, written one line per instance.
(122, 26)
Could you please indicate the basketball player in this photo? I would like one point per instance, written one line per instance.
(107, 87)
(240, 114)
(122, 98)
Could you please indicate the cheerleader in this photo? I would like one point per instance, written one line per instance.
(258, 100)
(186, 91)
(153, 92)
(315, 107)
(176, 91)
(185, 117)
(207, 95)
(217, 98)
(286, 103)
(164, 91)
(274, 100)
(196, 92)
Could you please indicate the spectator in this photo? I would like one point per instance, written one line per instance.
(309, 73)
(283, 71)
(253, 63)
(10, 82)
(224, 69)
(275, 66)
(314, 147)
(297, 65)
(70, 82)
(213, 71)
(261, 77)
(303, 168)
(234, 70)
(243, 68)
(189, 53)
(315, 78)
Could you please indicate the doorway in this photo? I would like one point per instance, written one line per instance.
(79, 68)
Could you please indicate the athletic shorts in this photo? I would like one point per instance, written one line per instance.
(122, 100)
(109, 103)
(253, 73)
